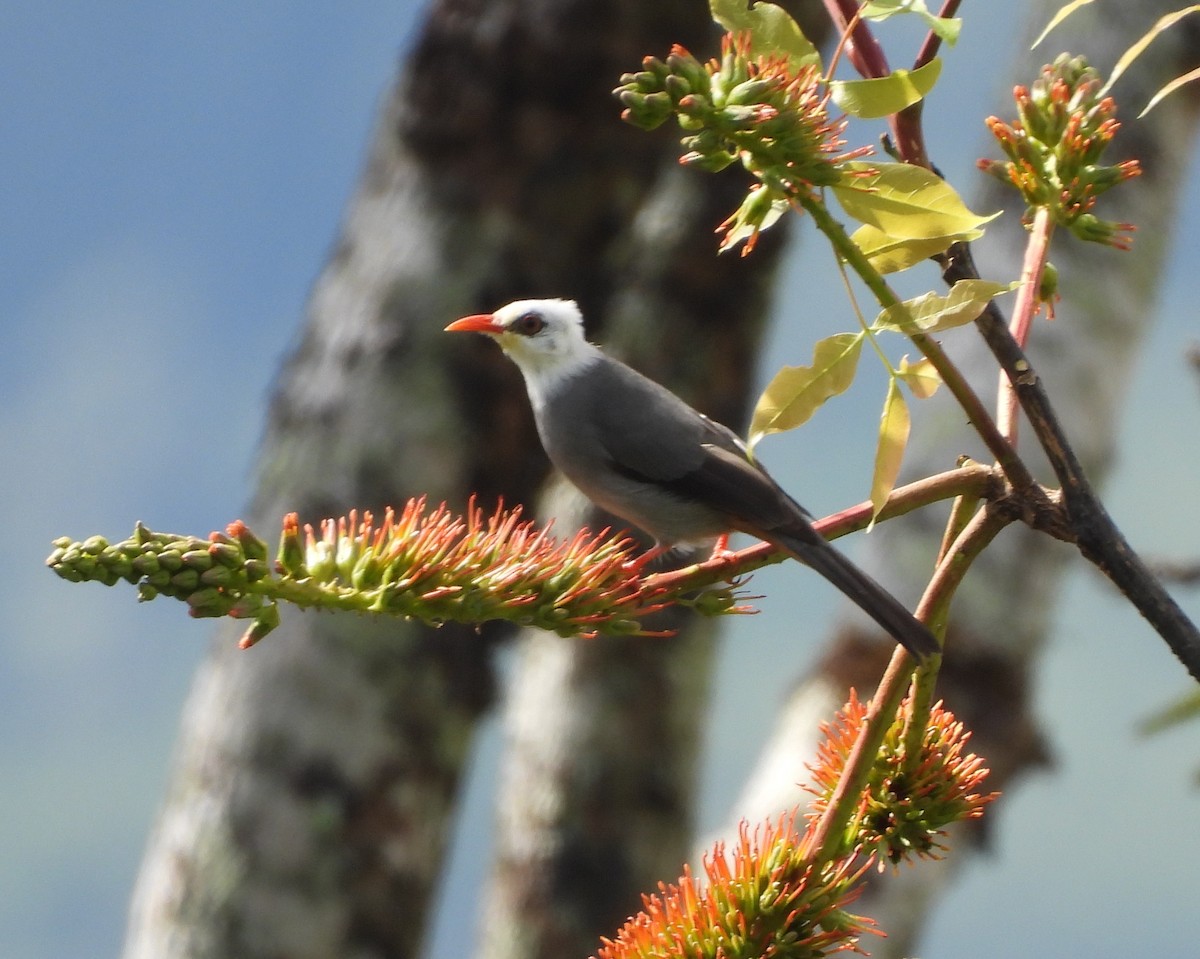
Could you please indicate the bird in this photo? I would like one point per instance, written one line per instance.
(640, 452)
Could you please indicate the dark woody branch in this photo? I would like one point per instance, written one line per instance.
(1094, 532)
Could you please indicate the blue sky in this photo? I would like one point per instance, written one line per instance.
(173, 176)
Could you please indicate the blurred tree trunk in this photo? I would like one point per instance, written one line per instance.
(1003, 612)
(316, 774)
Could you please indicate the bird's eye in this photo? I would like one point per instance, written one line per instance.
(528, 324)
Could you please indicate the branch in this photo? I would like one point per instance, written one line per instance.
(970, 479)
(1096, 535)
(1024, 310)
(932, 610)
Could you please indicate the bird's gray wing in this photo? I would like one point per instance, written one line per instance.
(653, 436)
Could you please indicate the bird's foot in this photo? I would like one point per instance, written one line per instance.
(721, 550)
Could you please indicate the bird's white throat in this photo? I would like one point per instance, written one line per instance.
(547, 376)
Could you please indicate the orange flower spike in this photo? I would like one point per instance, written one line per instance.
(430, 564)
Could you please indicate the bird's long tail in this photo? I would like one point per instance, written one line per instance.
(868, 595)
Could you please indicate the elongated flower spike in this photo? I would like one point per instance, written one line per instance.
(430, 565)
(909, 800)
(766, 899)
(1055, 146)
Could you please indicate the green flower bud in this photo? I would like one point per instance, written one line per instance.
(146, 564)
(683, 65)
(1048, 288)
(252, 546)
(186, 579)
(266, 621)
(218, 576)
(695, 106)
(749, 91)
(255, 569)
(85, 565)
(655, 67)
(197, 559)
(94, 545)
(711, 162)
(676, 87)
(159, 579)
(208, 602)
(68, 572)
(743, 117)
(227, 554)
(714, 602)
(704, 143)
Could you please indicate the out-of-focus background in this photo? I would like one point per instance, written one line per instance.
(172, 179)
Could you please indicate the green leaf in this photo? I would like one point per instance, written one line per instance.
(920, 377)
(890, 254)
(904, 201)
(1169, 89)
(883, 96)
(948, 28)
(796, 392)
(1183, 710)
(894, 425)
(933, 312)
(1139, 47)
(1059, 17)
(772, 30)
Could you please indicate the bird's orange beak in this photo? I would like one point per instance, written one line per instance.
(479, 323)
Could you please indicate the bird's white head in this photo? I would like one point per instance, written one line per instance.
(543, 337)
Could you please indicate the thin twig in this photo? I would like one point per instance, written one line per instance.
(1024, 310)
(933, 42)
(858, 40)
(971, 479)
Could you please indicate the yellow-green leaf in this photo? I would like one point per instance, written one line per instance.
(796, 392)
(904, 201)
(1059, 17)
(920, 377)
(947, 28)
(890, 254)
(1183, 710)
(772, 30)
(934, 312)
(883, 96)
(889, 454)
(1169, 89)
(1139, 47)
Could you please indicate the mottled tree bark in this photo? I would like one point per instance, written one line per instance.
(1002, 613)
(595, 804)
(316, 774)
